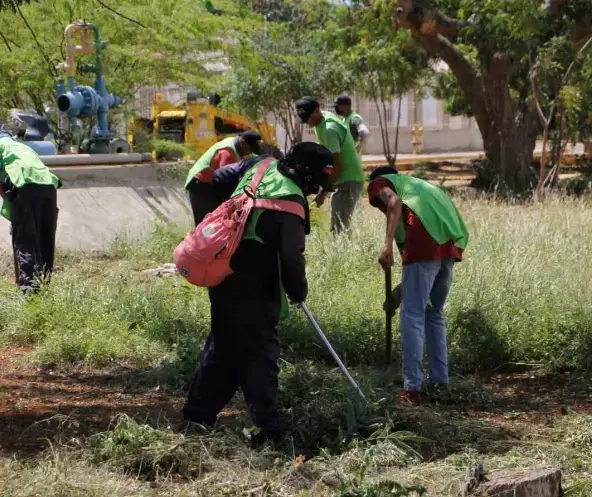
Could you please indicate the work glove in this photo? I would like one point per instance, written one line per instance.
(391, 304)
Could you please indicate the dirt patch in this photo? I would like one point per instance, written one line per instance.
(41, 404)
(38, 404)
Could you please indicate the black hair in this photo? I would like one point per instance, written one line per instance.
(382, 171)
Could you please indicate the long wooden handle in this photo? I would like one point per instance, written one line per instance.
(388, 288)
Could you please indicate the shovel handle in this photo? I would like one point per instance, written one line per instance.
(388, 288)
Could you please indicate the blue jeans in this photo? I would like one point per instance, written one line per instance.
(423, 321)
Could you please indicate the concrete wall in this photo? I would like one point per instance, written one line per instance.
(99, 203)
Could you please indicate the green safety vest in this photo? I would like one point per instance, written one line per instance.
(23, 167)
(352, 165)
(347, 122)
(274, 185)
(204, 161)
(433, 206)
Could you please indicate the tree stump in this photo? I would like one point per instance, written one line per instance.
(529, 483)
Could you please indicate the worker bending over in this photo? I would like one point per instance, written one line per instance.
(352, 120)
(243, 349)
(348, 175)
(225, 152)
(29, 196)
(431, 236)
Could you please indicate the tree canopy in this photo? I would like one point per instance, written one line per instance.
(150, 42)
(492, 47)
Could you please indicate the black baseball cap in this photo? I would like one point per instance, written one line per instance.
(343, 100)
(253, 139)
(305, 107)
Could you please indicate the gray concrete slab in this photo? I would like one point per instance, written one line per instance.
(100, 203)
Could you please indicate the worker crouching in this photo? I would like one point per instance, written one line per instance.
(243, 349)
(29, 196)
(199, 179)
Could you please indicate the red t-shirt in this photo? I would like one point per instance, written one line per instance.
(419, 245)
(222, 157)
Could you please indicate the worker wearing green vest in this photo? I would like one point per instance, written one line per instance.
(29, 196)
(431, 236)
(348, 175)
(353, 121)
(243, 349)
(225, 152)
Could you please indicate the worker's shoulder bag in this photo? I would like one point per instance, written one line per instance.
(203, 257)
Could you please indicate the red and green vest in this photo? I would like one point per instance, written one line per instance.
(23, 166)
(204, 161)
(274, 185)
(433, 206)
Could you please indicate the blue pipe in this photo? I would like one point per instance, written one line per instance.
(84, 101)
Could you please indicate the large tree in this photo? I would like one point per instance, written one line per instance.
(491, 47)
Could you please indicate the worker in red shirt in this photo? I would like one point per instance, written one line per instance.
(431, 237)
(228, 151)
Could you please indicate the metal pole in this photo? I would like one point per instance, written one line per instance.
(332, 350)
(388, 288)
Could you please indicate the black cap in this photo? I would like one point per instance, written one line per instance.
(305, 107)
(382, 171)
(253, 139)
(343, 100)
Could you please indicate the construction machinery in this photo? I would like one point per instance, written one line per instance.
(197, 124)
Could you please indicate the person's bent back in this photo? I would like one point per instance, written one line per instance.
(30, 204)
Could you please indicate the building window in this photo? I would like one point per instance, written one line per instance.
(429, 112)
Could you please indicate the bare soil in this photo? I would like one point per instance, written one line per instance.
(42, 404)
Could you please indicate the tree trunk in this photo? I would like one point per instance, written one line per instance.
(397, 128)
(508, 126)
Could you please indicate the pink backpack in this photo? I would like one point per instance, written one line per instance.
(203, 257)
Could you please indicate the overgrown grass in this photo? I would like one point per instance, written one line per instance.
(522, 294)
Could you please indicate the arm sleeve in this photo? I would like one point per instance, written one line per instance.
(225, 180)
(358, 123)
(291, 252)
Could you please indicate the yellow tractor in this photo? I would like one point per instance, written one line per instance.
(198, 124)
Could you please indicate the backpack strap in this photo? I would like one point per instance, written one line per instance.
(262, 168)
(281, 205)
(271, 204)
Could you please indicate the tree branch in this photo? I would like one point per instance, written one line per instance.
(5, 40)
(466, 75)
(21, 15)
(544, 120)
(427, 21)
(111, 9)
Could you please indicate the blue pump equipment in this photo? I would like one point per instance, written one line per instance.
(78, 101)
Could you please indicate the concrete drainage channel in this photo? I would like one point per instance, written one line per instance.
(99, 202)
